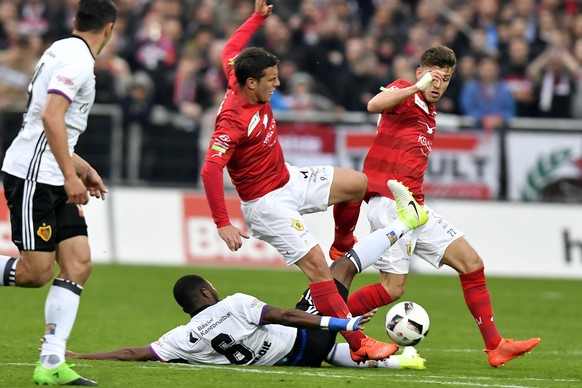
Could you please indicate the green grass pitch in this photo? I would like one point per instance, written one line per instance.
(133, 306)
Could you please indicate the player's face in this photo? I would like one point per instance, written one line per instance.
(266, 86)
(442, 78)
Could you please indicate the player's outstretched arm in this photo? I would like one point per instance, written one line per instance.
(299, 318)
(140, 353)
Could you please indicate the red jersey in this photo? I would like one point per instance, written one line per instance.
(244, 140)
(401, 147)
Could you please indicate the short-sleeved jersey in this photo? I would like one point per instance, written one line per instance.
(402, 145)
(245, 138)
(229, 332)
(65, 68)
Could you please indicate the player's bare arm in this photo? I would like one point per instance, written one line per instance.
(299, 318)
(139, 353)
(90, 177)
(53, 119)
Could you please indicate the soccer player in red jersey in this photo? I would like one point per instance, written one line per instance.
(406, 131)
(273, 194)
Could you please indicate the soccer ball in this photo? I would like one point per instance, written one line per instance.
(407, 323)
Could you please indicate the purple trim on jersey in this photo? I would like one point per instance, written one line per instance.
(57, 91)
(155, 354)
(264, 309)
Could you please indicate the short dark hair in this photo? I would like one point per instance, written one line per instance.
(93, 15)
(252, 62)
(438, 56)
(187, 291)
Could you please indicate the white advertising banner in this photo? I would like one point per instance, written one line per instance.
(174, 227)
(518, 239)
(544, 166)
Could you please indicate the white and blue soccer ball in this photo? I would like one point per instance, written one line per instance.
(407, 323)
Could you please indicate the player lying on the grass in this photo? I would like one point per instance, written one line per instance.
(243, 330)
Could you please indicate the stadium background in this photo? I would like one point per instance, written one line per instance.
(159, 82)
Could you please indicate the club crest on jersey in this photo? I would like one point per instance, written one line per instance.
(255, 120)
(297, 224)
(45, 232)
(418, 101)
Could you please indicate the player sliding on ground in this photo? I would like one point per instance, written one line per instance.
(243, 330)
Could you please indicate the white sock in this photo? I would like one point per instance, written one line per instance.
(60, 311)
(369, 249)
(8, 270)
(340, 356)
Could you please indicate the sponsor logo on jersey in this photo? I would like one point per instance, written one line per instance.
(207, 326)
(44, 232)
(193, 339)
(255, 120)
(297, 224)
(418, 101)
(425, 143)
(429, 129)
(65, 80)
(264, 349)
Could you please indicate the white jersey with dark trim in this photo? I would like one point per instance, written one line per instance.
(229, 332)
(65, 68)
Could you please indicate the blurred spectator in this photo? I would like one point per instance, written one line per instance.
(112, 75)
(302, 96)
(487, 98)
(190, 96)
(17, 64)
(513, 72)
(554, 73)
(34, 17)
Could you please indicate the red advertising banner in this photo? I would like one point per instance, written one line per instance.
(203, 245)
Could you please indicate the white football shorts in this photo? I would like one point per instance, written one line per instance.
(276, 217)
(428, 241)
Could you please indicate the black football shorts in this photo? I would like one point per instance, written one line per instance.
(40, 218)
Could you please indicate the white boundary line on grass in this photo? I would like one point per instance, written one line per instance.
(394, 376)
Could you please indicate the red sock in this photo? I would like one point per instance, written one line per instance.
(368, 298)
(329, 302)
(345, 216)
(479, 303)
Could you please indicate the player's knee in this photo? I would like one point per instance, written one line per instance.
(35, 279)
(361, 184)
(80, 269)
